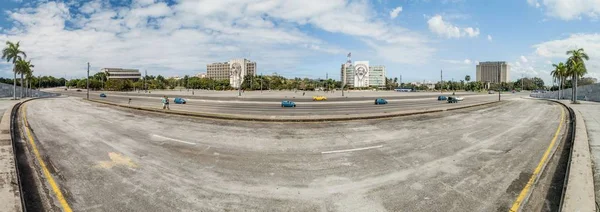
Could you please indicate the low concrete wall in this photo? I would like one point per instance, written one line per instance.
(587, 93)
(10, 197)
(6, 90)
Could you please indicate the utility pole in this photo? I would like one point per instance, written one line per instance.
(240, 84)
(522, 76)
(261, 82)
(441, 81)
(88, 81)
(146, 76)
(499, 82)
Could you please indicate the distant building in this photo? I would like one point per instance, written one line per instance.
(493, 72)
(377, 76)
(201, 75)
(176, 77)
(235, 70)
(124, 74)
(360, 74)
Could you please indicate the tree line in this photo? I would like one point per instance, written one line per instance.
(14, 54)
(573, 69)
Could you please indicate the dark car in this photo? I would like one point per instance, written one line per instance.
(442, 98)
(286, 103)
(78, 90)
(103, 95)
(452, 99)
(380, 101)
(179, 100)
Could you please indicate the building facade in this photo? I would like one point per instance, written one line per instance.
(493, 72)
(123, 74)
(235, 70)
(377, 76)
(201, 75)
(360, 74)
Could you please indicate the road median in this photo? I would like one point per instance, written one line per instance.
(267, 118)
(10, 192)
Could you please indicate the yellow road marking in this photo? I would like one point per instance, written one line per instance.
(517, 204)
(61, 199)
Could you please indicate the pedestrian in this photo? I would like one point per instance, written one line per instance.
(165, 102)
(192, 92)
(303, 93)
(129, 101)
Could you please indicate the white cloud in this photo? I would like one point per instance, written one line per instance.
(523, 59)
(394, 13)
(446, 29)
(489, 37)
(555, 50)
(459, 62)
(185, 36)
(569, 9)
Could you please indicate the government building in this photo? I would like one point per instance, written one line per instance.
(493, 72)
(123, 74)
(360, 75)
(235, 70)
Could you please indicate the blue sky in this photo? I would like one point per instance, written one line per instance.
(302, 38)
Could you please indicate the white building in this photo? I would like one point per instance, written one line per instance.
(119, 73)
(360, 74)
(235, 70)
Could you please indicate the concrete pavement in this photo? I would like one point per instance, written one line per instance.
(10, 199)
(590, 113)
(476, 159)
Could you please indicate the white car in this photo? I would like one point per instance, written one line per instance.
(459, 98)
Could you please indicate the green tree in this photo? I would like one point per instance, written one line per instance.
(23, 67)
(576, 68)
(559, 73)
(467, 78)
(12, 52)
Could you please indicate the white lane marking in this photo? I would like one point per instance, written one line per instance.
(351, 150)
(172, 139)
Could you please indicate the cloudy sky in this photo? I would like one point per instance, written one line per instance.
(302, 38)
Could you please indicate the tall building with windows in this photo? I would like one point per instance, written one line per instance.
(360, 74)
(124, 74)
(235, 70)
(493, 72)
(377, 76)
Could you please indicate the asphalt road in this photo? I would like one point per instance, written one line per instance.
(109, 159)
(273, 106)
(271, 96)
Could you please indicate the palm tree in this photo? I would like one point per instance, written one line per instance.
(12, 53)
(576, 68)
(559, 73)
(24, 68)
(467, 78)
(28, 78)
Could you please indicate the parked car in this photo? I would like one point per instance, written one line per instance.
(319, 98)
(179, 100)
(78, 90)
(491, 92)
(442, 98)
(286, 103)
(452, 99)
(459, 98)
(380, 101)
(103, 95)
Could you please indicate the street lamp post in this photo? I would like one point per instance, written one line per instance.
(240, 83)
(88, 81)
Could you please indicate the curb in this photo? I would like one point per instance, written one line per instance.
(266, 119)
(578, 192)
(10, 190)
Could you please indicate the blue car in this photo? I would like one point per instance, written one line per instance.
(442, 98)
(179, 100)
(103, 95)
(380, 101)
(287, 103)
